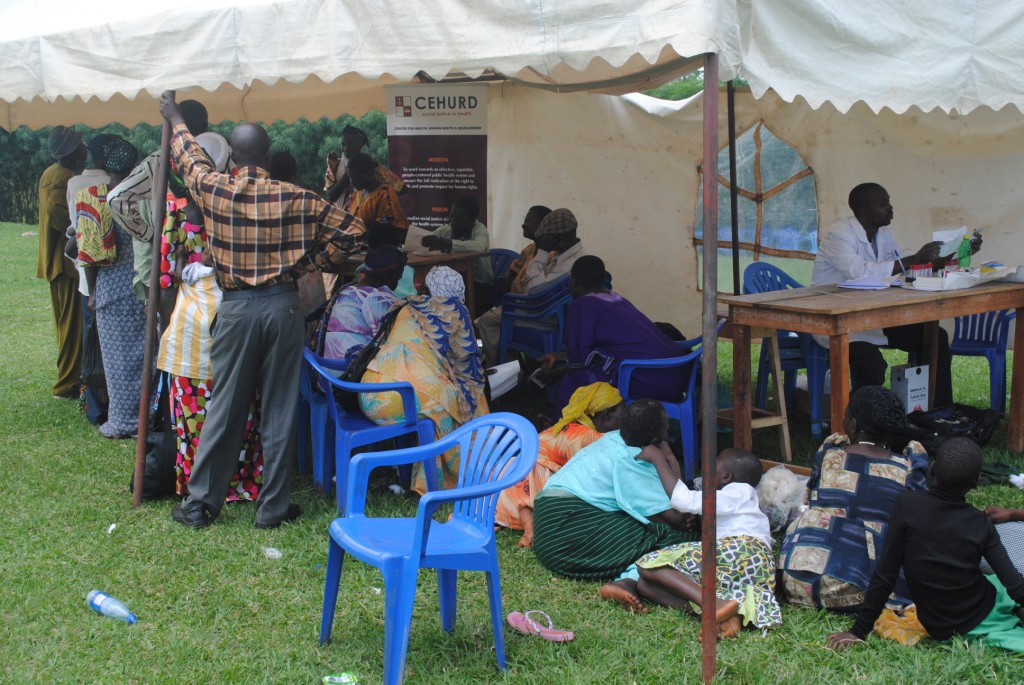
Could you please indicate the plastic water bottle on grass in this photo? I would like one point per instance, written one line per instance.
(102, 603)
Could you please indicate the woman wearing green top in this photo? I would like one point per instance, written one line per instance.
(606, 508)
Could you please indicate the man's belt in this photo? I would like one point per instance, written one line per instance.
(246, 293)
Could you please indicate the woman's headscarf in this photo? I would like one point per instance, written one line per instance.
(120, 155)
(586, 402)
(444, 281)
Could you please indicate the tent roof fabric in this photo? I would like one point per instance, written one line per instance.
(79, 56)
(949, 55)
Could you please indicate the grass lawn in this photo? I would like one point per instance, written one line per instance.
(213, 609)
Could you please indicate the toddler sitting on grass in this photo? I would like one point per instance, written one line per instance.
(938, 539)
(746, 566)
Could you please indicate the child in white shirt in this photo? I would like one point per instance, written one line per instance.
(746, 566)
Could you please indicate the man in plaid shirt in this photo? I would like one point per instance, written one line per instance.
(264, 235)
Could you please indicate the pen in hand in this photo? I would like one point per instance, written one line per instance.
(908, 279)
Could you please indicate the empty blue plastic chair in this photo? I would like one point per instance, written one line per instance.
(352, 429)
(796, 350)
(501, 260)
(496, 452)
(984, 335)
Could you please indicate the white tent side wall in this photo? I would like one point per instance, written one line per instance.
(630, 175)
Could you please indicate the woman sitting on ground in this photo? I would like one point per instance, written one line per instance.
(745, 573)
(606, 508)
(432, 346)
(592, 411)
(1010, 526)
(829, 552)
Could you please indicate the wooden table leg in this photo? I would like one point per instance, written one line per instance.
(839, 365)
(930, 345)
(1015, 419)
(741, 387)
(780, 393)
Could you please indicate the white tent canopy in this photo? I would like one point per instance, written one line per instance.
(946, 54)
(285, 59)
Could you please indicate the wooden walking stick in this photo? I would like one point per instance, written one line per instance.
(158, 195)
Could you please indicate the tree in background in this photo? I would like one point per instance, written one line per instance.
(24, 157)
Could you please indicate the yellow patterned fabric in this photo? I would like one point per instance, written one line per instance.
(94, 226)
(185, 345)
(432, 347)
(903, 627)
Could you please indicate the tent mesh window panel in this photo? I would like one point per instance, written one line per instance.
(777, 207)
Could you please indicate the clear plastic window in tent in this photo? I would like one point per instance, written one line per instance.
(777, 208)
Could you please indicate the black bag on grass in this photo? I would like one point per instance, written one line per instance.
(159, 478)
(932, 428)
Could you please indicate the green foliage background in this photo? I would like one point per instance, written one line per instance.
(24, 157)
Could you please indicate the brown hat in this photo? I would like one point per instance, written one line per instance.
(558, 223)
(63, 141)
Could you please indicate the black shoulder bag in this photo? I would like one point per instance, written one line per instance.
(355, 370)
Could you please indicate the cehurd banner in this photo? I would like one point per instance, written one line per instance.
(437, 110)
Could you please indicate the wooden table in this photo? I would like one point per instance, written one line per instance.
(837, 312)
(460, 261)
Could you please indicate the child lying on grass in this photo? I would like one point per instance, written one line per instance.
(746, 567)
(938, 539)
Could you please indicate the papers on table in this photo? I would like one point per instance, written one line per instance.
(871, 282)
(414, 238)
(950, 239)
(958, 280)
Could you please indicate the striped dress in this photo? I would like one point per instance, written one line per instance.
(592, 519)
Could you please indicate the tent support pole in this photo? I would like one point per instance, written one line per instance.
(731, 105)
(159, 205)
(709, 371)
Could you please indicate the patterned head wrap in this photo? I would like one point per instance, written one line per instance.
(120, 155)
(444, 281)
(586, 402)
(216, 147)
(558, 223)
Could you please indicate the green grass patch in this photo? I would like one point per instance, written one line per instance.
(213, 609)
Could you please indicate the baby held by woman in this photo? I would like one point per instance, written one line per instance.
(746, 566)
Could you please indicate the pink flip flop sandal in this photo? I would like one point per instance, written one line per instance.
(527, 626)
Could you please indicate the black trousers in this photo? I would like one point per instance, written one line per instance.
(867, 366)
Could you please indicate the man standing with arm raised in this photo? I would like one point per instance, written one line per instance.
(264, 235)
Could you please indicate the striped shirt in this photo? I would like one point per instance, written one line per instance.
(263, 232)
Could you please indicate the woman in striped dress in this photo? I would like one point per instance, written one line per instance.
(185, 346)
(606, 508)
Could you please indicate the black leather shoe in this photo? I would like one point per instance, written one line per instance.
(194, 517)
(294, 512)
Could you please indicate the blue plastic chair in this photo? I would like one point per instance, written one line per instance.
(685, 409)
(534, 324)
(497, 451)
(501, 260)
(312, 429)
(352, 429)
(985, 335)
(796, 350)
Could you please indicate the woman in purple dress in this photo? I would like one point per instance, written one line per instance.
(602, 329)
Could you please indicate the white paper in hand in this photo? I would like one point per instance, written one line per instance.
(951, 240)
(414, 240)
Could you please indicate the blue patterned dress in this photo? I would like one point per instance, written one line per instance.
(433, 347)
(829, 552)
(121, 322)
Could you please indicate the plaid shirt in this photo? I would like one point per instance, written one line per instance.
(263, 232)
